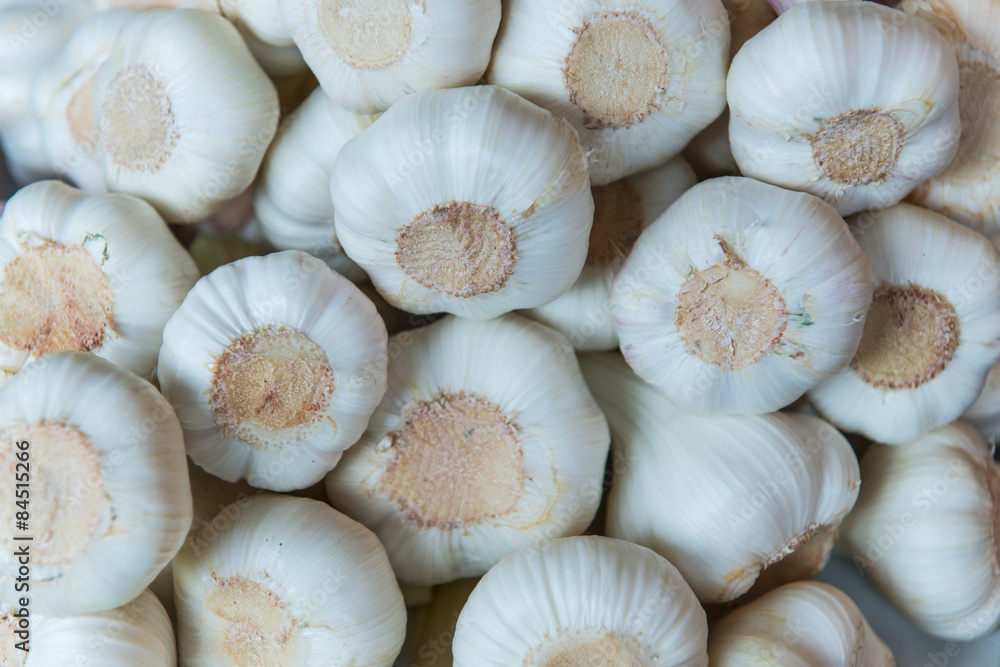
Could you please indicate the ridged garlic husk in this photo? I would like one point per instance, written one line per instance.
(368, 55)
(431, 632)
(926, 529)
(183, 135)
(638, 80)
(931, 334)
(487, 441)
(292, 198)
(259, 21)
(90, 272)
(274, 365)
(741, 297)
(803, 623)
(470, 201)
(861, 103)
(621, 211)
(110, 501)
(740, 504)
(286, 582)
(582, 601)
(969, 189)
(984, 414)
(138, 633)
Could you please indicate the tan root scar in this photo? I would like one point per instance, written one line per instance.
(617, 223)
(858, 147)
(367, 34)
(137, 125)
(259, 629)
(591, 647)
(978, 153)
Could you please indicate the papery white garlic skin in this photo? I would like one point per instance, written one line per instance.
(741, 297)
(802, 623)
(470, 201)
(853, 102)
(259, 21)
(931, 334)
(636, 79)
(926, 529)
(487, 440)
(622, 210)
(274, 365)
(782, 6)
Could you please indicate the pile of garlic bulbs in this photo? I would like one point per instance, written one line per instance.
(469, 332)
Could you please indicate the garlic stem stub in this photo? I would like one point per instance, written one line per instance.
(926, 529)
(110, 500)
(802, 623)
(487, 441)
(274, 365)
(184, 136)
(853, 102)
(739, 504)
(88, 272)
(582, 601)
(369, 54)
(286, 582)
(931, 334)
(469, 201)
(621, 211)
(741, 297)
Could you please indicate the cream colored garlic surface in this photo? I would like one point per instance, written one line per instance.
(931, 334)
(470, 201)
(487, 441)
(741, 297)
(286, 582)
(621, 211)
(183, 135)
(110, 502)
(805, 624)
(582, 601)
(740, 504)
(89, 272)
(853, 102)
(638, 80)
(274, 365)
(926, 530)
(368, 54)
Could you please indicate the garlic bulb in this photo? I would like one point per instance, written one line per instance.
(739, 504)
(292, 197)
(110, 502)
(274, 365)
(582, 601)
(487, 441)
(782, 6)
(850, 101)
(931, 335)
(741, 297)
(368, 54)
(927, 530)
(285, 582)
(636, 79)
(138, 633)
(621, 211)
(183, 135)
(97, 273)
(803, 623)
(259, 21)
(469, 201)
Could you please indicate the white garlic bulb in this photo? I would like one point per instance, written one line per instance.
(274, 365)
(741, 297)
(926, 529)
(853, 102)
(185, 136)
(739, 504)
(638, 80)
(487, 441)
(803, 623)
(92, 272)
(931, 334)
(621, 211)
(582, 601)
(471, 201)
(110, 502)
(368, 54)
(259, 21)
(286, 582)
